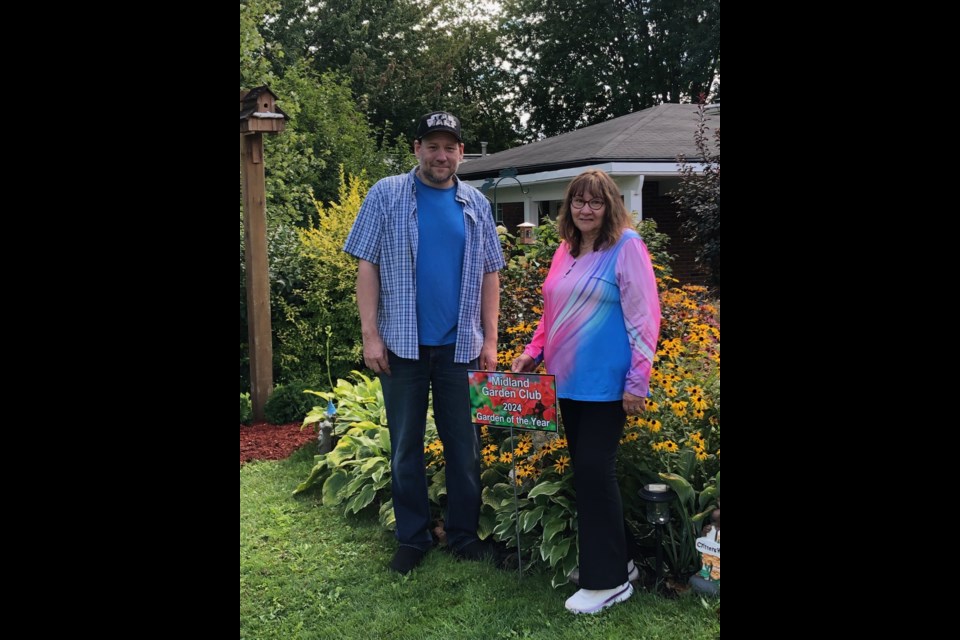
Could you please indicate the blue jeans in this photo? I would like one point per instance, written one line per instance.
(405, 394)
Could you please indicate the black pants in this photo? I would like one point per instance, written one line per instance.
(593, 431)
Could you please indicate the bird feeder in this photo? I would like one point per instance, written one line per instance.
(526, 232)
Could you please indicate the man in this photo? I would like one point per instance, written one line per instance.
(428, 292)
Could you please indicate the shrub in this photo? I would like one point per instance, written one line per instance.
(289, 403)
(286, 271)
(357, 471)
(246, 408)
(324, 297)
(698, 196)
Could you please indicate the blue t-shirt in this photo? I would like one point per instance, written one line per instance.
(439, 263)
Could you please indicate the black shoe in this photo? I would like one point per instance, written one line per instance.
(475, 550)
(406, 558)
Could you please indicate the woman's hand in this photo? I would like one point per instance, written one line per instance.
(522, 364)
(632, 404)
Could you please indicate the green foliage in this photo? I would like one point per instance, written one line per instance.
(358, 468)
(334, 129)
(543, 509)
(327, 127)
(357, 472)
(404, 58)
(254, 67)
(689, 512)
(287, 273)
(613, 58)
(288, 403)
(326, 133)
(357, 402)
(698, 196)
(677, 439)
(657, 247)
(323, 295)
(309, 572)
(246, 408)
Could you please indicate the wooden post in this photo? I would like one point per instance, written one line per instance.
(258, 281)
(258, 113)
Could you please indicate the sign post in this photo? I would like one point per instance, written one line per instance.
(514, 401)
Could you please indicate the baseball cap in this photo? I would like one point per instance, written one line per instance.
(439, 121)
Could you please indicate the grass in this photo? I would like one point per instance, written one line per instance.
(308, 572)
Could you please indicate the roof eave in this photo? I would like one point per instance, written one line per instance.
(552, 166)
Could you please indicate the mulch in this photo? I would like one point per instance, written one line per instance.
(264, 441)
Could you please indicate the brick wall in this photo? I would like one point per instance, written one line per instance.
(662, 209)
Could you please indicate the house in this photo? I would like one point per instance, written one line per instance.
(638, 150)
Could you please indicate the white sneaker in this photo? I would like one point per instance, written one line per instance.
(592, 601)
(633, 574)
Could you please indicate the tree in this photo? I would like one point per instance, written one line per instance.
(580, 62)
(326, 129)
(698, 196)
(403, 58)
(254, 66)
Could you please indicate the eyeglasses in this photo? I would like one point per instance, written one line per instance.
(595, 204)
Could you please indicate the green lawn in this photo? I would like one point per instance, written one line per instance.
(309, 572)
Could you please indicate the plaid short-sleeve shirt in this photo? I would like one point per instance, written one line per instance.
(385, 233)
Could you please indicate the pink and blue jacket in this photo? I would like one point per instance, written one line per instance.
(601, 320)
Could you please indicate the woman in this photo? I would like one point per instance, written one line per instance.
(598, 335)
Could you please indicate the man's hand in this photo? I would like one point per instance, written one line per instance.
(488, 357)
(375, 355)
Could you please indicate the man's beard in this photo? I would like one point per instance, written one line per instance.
(430, 176)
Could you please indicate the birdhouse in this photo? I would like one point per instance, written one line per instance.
(526, 232)
(259, 111)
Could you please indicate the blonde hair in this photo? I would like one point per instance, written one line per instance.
(615, 218)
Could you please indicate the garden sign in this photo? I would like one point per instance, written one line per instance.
(517, 400)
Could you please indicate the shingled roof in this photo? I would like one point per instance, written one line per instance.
(656, 134)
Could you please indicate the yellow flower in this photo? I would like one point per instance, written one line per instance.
(561, 464)
(698, 401)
